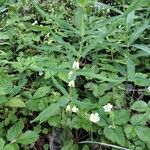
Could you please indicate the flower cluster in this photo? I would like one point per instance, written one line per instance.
(40, 73)
(108, 107)
(73, 109)
(94, 117)
(75, 66)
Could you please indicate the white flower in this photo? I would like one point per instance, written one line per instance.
(108, 107)
(35, 22)
(75, 65)
(40, 73)
(68, 108)
(75, 109)
(94, 117)
(148, 89)
(71, 83)
(70, 74)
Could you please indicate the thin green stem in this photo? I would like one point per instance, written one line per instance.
(103, 144)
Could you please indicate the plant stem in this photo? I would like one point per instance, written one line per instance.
(103, 144)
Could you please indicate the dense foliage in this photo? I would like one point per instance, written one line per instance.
(74, 74)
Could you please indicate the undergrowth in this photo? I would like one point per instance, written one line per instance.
(74, 74)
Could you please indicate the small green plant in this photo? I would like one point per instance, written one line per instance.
(77, 66)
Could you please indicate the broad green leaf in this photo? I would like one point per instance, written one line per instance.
(139, 119)
(79, 20)
(28, 137)
(144, 48)
(143, 133)
(3, 99)
(59, 86)
(67, 45)
(139, 106)
(15, 131)
(52, 110)
(41, 92)
(121, 117)
(93, 75)
(15, 102)
(137, 32)
(91, 46)
(130, 69)
(9, 147)
(104, 6)
(4, 36)
(130, 19)
(2, 143)
(130, 131)
(116, 135)
(5, 84)
(61, 22)
(135, 5)
(140, 81)
(41, 12)
(68, 145)
(85, 148)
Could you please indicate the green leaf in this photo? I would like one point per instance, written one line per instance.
(15, 131)
(41, 92)
(15, 102)
(116, 135)
(130, 18)
(85, 148)
(79, 20)
(2, 143)
(5, 84)
(28, 137)
(139, 106)
(60, 87)
(136, 34)
(91, 46)
(52, 110)
(93, 75)
(41, 12)
(139, 119)
(121, 117)
(9, 147)
(140, 81)
(67, 45)
(130, 131)
(104, 6)
(135, 5)
(130, 70)
(4, 36)
(143, 133)
(144, 48)
(3, 99)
